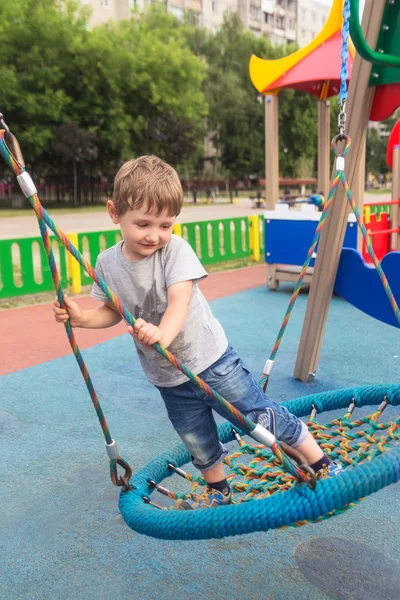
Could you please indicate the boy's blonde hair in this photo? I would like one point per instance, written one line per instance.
(149, 180)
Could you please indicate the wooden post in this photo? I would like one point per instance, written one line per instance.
(358, 111)
(395, 241)
(324, 146)
(358, 188)
(271, 151)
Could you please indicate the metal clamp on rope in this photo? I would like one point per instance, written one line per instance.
(112, 450)
(301, 463)
(269, 365)
(383, 404)
(340, 163)
(122, 480)
(263, 436)
(26, 184)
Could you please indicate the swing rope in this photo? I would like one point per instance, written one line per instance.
(339, 176)
(291, 460)
(263, 382)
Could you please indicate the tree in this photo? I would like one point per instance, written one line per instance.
(124, 83)
(235, 115)
(376, 154)
(36, 47)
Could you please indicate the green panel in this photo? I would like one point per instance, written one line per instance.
(389, 42)
(19, 280)
(213, 246)
(262, 234)
(95, 246)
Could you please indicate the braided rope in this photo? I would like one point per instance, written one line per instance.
(296, 505)
(39, 211)
(344, 52)
(334, 185)
(232, 414)
(79, 358)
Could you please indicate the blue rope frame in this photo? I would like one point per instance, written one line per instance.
(281, 509)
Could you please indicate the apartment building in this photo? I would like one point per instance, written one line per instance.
(275, 19)
(311, 17)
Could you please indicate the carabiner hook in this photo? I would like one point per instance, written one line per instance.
(3, 123)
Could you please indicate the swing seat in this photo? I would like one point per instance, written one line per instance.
(372, 465)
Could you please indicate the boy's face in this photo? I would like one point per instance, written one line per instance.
(143, 232)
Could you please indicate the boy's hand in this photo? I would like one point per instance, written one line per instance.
(73, 312)
(145, 333)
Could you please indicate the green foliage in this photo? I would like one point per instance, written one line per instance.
(376, 154)
(135, 86)
(298, 117)
(236, 119)
(36, 45)
(80, 97)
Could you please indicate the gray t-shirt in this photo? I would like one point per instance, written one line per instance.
(142, 288)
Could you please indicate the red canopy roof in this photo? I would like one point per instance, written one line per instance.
(321, 65)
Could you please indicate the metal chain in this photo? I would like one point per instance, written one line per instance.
(344, 71)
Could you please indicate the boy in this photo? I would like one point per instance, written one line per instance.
(156, 276)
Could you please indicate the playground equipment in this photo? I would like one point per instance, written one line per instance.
(313, 69)
(273, 468)
(354, 276)
(362, 97)
(287, 238)
(287, 235)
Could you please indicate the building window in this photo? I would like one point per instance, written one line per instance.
(106, 3)
(291, 24)
(280, 22)
(214, 6)
(255, 13)
(268, 18)
(176, 11)
(314, 17)
(304, 14)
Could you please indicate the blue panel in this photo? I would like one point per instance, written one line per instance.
(287, 241)
(360, 284)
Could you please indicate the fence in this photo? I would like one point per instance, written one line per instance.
(24, 268)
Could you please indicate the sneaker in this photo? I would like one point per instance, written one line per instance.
(330, 471)
(208, 499)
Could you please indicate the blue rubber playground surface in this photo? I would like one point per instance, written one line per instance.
(62, 536)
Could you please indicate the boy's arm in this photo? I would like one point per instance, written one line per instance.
(147, 334)
(101, 317)
(179, 296)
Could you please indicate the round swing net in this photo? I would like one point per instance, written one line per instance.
(272, 484)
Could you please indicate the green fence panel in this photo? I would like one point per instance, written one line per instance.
(91, 243)
(219, 240)
(24, 268)
(380, 209)
(261, 231)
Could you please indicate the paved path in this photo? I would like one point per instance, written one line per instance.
(30, 336)
(79, 220)
(62, 537)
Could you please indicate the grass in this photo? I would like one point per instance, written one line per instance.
(45, 297)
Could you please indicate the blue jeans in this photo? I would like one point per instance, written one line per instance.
(190, 410)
